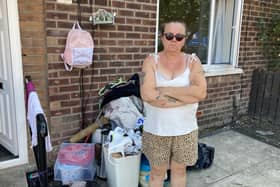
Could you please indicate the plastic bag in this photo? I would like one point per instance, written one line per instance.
(118, 141)
(124, 142)
(123, 112)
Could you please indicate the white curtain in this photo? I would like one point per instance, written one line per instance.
(222, 31)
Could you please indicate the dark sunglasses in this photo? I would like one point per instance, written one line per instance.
(169, 36)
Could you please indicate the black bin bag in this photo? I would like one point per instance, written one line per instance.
(205, 157)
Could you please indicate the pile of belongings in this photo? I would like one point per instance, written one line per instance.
(121, 104)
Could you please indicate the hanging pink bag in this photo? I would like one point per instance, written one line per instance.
(78, 51)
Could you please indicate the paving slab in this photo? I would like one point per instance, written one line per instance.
(240, 161)
(13, 177)
(264, 174)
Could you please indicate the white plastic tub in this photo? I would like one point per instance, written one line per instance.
(122, 172)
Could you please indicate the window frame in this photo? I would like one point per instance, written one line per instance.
(217, 69)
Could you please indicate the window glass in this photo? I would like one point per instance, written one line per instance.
(199, 19)
(222, 32)
(195, 14)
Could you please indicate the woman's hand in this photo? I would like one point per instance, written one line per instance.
(149, 92)
(193, 93)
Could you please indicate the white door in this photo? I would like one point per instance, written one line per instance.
(8, 129)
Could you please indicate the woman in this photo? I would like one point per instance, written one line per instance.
(172, 85)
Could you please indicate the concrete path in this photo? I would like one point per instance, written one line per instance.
(13, 177)
(240, 161)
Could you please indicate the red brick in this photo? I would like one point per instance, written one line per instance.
(118, 4)
(133, 35)
(141, 29)
(125, 43)
(116, 50)
(150, 7)
(57, 15)
(133, 21)
(124, 70)
(100, 2)
(119, 51)
(107, 71)
(133, 5)
(66, 8)
(132, 50)
(142, 14)
(124, 56)
(125, 28)
(125, 13)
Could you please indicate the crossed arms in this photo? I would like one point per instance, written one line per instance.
(167, 97)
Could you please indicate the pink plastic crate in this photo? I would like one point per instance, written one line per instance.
(75, 162)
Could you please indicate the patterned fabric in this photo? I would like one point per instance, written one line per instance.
(162, 149)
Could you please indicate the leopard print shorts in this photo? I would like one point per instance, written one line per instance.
(162, 149)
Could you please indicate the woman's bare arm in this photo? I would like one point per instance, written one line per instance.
(197, 90)
(149, 92)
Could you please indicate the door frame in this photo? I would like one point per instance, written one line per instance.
(18, 81)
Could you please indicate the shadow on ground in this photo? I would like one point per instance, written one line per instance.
(261, 130)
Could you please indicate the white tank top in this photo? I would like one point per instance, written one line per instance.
(171, 121)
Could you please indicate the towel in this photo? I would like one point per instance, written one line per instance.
(34, 108)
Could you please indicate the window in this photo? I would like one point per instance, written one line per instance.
(213, 28)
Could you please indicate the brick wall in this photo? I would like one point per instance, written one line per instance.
(119, 52)
(218, 109)
(251, 56)
(32, 31)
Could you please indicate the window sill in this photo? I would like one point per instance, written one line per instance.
(219, 70)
